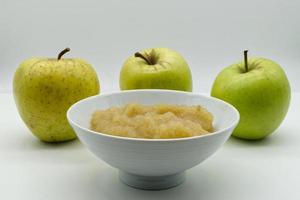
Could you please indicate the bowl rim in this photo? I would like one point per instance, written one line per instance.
(232, 125)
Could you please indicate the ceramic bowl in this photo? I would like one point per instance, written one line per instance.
(152, 163)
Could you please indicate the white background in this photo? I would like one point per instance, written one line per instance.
(209, 34)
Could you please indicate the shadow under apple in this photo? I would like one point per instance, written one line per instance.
(278, 138)
(31, 143)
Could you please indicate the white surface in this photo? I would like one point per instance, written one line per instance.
(262, 170)
(154, 157)
(210, 34)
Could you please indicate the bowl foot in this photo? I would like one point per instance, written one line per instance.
(151, 182)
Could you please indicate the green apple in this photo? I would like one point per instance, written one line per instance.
(156, 68)
(260, 90)
(44, 89)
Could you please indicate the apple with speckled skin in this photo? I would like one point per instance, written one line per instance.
(260, 90)
(44, 89)
(156, 68)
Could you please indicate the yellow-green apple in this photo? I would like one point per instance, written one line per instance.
(260, 90)
(44, 89)
(156, 68)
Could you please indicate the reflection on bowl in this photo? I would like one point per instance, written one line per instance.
(152, 163)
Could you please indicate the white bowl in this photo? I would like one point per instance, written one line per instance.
(152, 163)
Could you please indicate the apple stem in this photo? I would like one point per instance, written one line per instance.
(246, 60)
(139, 55)
(62, 53)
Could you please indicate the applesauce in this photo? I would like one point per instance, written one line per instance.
(161, 121)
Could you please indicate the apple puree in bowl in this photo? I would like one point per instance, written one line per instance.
(160, 121)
